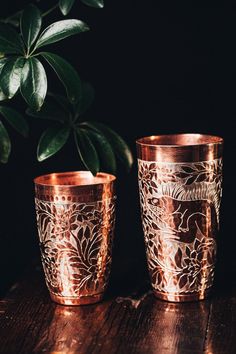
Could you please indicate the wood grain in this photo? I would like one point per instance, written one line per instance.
(221, 331)
(31, 323)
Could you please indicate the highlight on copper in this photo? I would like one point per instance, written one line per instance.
(180, 185)
(75, 217)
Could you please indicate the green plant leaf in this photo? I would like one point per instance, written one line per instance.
(31, 22)
(50, 110)
(3, 61)
(51, 141)
(104, 149)
(120, 147)
(87, 151)
(94, 3)
(66, 74)
(16, 120)
(65, 6)
(60, 30)
(33, 83)
(5, 144)
(10, 41)
(10, 76)
(86, 98)
(2, 96)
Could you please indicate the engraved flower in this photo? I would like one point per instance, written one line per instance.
(63, 218)
(198, 264)
(49, 256)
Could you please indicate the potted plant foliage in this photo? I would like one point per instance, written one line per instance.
(25, 60)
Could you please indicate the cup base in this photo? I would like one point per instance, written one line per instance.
(76, 301)
(182, 297)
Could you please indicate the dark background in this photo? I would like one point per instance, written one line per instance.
(156, 70)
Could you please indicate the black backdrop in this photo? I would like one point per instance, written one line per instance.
(155, 70)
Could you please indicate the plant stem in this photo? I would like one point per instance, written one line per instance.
(50, 10)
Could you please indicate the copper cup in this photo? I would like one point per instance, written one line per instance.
(75, 218)
(180, 179)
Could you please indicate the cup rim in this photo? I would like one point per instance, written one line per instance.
(210, 140)
(100, 178)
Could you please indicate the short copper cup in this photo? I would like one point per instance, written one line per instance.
(75, 218)
(180, 178)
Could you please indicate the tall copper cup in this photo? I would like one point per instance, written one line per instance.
(180, 179)
(75, 217)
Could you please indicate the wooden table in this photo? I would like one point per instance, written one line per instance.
(137, 323)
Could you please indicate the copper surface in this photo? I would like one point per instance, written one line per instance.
(180, 178)
(180, 148)
(75, 218)
(80, 300)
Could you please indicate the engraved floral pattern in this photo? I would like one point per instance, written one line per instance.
(76, 244)
(180, 213)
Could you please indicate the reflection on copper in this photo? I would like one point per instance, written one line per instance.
(180, 178)
(75, 218)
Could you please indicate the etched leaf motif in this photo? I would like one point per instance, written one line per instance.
(183, 281)
(188, 252)
(155, 227)
(202, 177)
(78, 247)
(191, 179)
(158, 278)
(152, 166)
(88, 208)
(87, 232)
(188, 169)
(153, 184)
(199, 166)
(181, 175)
(178, 258)
(197, 243)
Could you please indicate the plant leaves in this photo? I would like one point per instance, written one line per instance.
(14, 19)
(31, 21)
(33, 83)
(2, 96)
(94, 3)
(10, 76)
(103, 147)
(120, 147)
(51, 141)
(3, 61)
(50, 110)
(60, 30)
(66, 74)
(87, 151)
(5, 144)
(10, 41)
(62, 101)
(86, 98)
(16, 120)
(65, 6)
